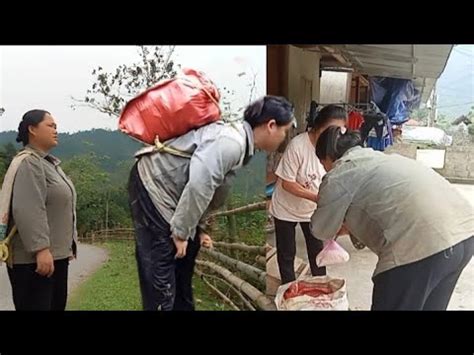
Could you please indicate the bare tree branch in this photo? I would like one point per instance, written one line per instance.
(111, 90)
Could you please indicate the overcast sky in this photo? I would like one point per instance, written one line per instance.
(47, 76)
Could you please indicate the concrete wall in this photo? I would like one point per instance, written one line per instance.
(303, 81)
(458, 160)
(407, 150)
(335, 87)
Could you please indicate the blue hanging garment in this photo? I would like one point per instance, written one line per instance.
(395, 97)
(376, 131)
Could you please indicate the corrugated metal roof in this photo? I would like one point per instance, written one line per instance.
(422, 63)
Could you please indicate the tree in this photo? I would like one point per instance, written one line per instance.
(443, 122)
(111, 90)
(421, 115)
(3, 159)
(7, 154)
(10, 152)
(99, 203)
(91, 184)
(470, 128)
(3, 166)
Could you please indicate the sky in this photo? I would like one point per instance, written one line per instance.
(455, 87)
(47, 77)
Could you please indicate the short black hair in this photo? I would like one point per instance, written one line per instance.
(327, 113)
(269, 107)
(332, 143)
(31, 118)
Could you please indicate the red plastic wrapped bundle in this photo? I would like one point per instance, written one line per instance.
(171, 108)
(312, 289)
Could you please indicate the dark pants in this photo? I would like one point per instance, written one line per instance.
(165, 282)
(423, 285)
(33, 292)
(286, 249)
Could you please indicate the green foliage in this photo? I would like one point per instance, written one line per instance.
(90, 183)
(421, 115)
(250, 225)
(249, 184)
(99, 163)
(443, 122)
(471, 129)
(98, 202)
(7, 153)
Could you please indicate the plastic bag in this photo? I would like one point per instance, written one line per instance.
(314, 293)
(171, 108)
(331, 254)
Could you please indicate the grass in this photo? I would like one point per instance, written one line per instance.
(250, 228)
(115, 285)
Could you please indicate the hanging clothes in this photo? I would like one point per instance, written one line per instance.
(376, 131)
(355, 120)
(396, 97)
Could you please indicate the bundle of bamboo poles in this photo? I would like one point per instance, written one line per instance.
(234, 271)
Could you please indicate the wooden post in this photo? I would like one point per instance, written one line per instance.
(231, 224)
(106, 215)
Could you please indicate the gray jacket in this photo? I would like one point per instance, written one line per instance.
(402, 210)
(43, 209)
(183, 190)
